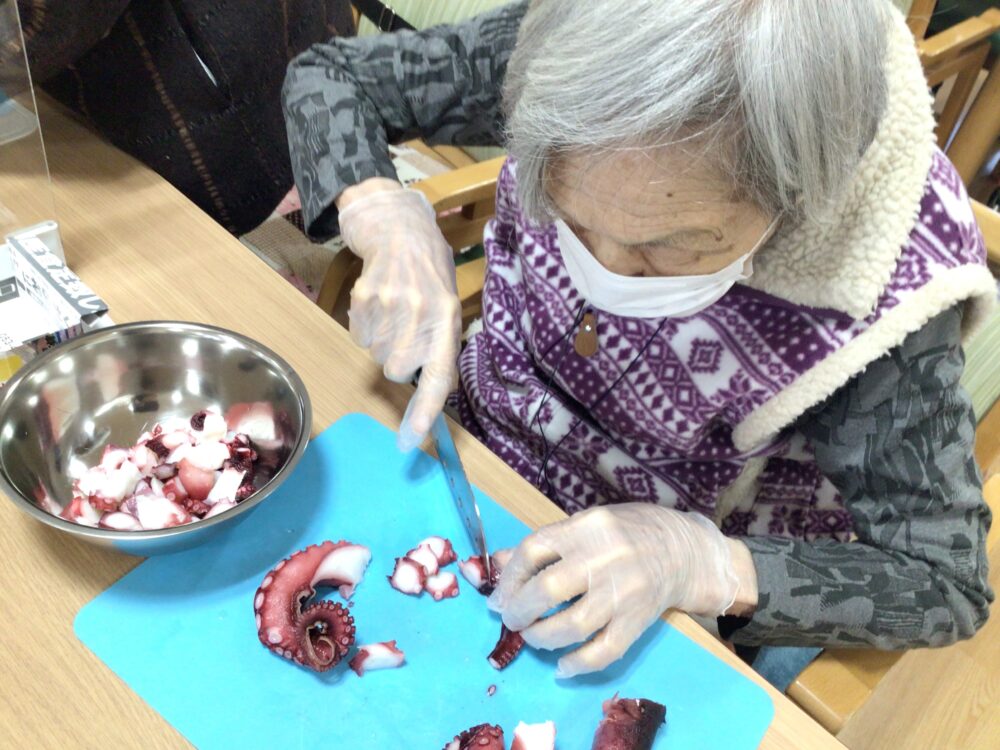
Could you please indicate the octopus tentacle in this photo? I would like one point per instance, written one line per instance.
(319, 636)
(325, 635)
(479, 737)
(628, 724)
(509, 645)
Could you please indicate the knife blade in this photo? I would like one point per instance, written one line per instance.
(461, 490)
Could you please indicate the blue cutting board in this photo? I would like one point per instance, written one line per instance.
(179, 629)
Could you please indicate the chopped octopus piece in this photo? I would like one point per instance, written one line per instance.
(628, 724)
(213, 427)
(383, 655)
(255, 420)
(198, 482)
(220, 507)
(408, 576)
(156, 512)
(79, 510)
(442, 586)
(106, 485)
(534, 736)
(113, 457)
(424, 555)
(441, 548)
(208, 456)
(479, 737)
(226, 487)
(317, 636)
(175, 473)
(173, 489)
(119, 521)
(420, 569)
(509, 645)
(473, 570)
(343, 567)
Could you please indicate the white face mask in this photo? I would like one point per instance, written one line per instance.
(647, 296)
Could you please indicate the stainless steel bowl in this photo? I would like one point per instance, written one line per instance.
(61, 409)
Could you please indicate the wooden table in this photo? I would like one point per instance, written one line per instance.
(150, 253)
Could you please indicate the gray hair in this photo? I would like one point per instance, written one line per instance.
(784, 95)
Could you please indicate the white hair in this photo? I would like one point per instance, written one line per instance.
(784, 95)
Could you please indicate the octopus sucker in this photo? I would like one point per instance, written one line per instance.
(628, 724)
(442, 586)
(319, 635)
(479, 737)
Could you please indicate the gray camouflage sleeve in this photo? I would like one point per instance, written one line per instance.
(897, 442)
(347, 99)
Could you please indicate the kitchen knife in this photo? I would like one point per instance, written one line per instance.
(461, 490)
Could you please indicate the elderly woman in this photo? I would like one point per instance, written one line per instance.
(727, 284)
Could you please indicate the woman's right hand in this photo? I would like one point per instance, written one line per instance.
(405, 305)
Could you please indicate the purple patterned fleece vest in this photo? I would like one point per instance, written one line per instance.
(586, 432)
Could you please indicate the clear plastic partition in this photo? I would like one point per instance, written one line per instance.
(26, 203)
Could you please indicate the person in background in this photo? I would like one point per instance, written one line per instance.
(192, 88)
(727, 284)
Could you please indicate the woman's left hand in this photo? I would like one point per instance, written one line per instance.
(628, 564)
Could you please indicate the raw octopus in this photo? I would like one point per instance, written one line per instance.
(317, 636)
(628, 724)
(178, 472)
(534, 736)
(490, 737)
(479, 737)
(383, 655)
(508, 647)
(419, 570)
(474, 571)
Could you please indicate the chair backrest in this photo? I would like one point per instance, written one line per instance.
(919, 17)
(960, 51)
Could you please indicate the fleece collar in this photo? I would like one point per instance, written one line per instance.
(844, 262)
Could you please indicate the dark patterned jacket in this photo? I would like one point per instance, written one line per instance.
(189, 87)
(896, 441)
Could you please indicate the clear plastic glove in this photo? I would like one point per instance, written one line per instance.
(628, 563)
(405, 306)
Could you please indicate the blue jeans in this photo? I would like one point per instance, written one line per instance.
(780, 665)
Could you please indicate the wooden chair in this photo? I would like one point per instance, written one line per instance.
(464, 200)
(962, 51)
(919, 17)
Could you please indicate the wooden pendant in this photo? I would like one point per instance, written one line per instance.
(585, 342)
